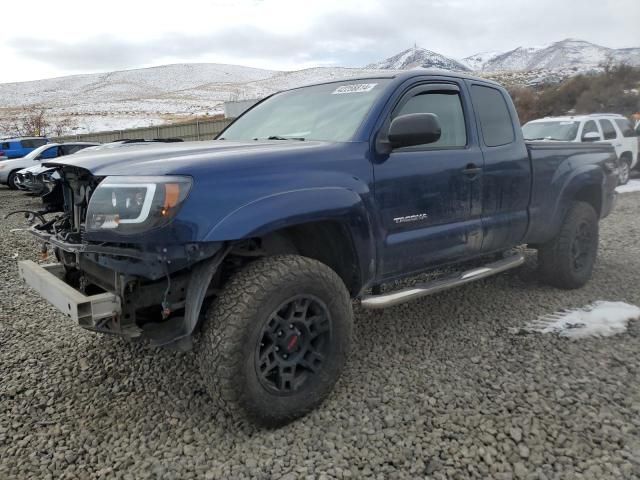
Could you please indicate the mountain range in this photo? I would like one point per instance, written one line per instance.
(567, 54)
(152, 96)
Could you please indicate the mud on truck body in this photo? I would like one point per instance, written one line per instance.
(255, 244)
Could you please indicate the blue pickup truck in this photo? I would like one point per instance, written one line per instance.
(258, 241)
(19, 147)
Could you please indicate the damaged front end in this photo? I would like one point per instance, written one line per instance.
(126, 265)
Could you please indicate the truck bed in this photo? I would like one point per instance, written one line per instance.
(554, 166)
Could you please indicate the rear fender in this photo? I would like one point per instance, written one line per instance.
(591, 178)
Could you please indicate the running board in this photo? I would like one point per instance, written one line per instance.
(459, 278)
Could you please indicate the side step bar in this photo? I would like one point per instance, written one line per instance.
(459, 278)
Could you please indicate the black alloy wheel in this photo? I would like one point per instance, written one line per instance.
(293, 344)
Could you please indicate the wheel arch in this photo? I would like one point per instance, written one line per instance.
(328, 241)
(331, 225)
(591, 194)
(586, 185)
(627, 154)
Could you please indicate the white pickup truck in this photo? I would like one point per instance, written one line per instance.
(601, 127)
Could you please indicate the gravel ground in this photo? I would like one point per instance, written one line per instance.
(438, 388)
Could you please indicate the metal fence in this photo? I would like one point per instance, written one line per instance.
(197, 130)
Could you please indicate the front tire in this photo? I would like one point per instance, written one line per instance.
(11, 181)
(567, 261)
(276, 339)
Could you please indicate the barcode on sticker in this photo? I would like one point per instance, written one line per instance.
(355, 88)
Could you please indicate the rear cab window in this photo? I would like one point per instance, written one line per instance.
(608, 130)
(496, 124)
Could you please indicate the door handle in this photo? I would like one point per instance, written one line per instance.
(472, 169)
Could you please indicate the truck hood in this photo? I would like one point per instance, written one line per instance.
(177, 158)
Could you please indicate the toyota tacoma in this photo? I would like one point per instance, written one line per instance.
(250, 248)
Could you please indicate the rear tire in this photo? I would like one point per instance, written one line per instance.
(276, 339)
(567, 261)
(625, 171)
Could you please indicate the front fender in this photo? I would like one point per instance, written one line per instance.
(286, 209)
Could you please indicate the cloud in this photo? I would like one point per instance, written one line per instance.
(333, 39)
(340, 33)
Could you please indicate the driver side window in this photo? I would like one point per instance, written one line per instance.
(448, 108)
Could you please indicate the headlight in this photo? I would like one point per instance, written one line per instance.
(129, 205)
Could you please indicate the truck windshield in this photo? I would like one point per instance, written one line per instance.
(552, 130)
(331, 112)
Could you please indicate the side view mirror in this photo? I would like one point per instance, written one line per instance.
(591, 137)
(414, 129)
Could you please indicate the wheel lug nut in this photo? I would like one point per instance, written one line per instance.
(277, 348)
(280, 333)
(285, 356)
(291, 326)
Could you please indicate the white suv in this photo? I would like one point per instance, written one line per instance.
(600, 127)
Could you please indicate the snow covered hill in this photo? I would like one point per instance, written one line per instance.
(566, 54)
(478, 60)
(417, 57)
(152, 96)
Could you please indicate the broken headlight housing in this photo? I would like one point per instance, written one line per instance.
(49, 179)
(130, 205)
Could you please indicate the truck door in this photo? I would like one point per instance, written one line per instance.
(506, 177)
(428, 196)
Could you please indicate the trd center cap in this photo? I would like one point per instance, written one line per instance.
(292, 342)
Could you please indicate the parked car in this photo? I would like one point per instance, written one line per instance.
(30, 179)
(19, 147)
(601, 127)
(132, 141)
(315, 196)
(10, 168)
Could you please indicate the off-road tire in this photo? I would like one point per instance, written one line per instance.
(557, 258)
(11, 181)
(231, 335)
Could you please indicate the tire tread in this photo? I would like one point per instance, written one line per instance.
(222, 340)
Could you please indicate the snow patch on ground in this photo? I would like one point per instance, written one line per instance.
(632, 186)
(599, 319)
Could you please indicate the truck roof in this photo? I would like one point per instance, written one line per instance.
(404, 75)
(17, 139)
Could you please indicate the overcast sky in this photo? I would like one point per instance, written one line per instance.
(40, 39)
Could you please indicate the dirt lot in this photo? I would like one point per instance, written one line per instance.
(440, 388)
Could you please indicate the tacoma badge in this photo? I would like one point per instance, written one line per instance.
(411, 218)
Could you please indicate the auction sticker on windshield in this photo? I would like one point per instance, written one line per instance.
(354, 88)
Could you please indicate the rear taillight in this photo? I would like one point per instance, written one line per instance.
(1, 153)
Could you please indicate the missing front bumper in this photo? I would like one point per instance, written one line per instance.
(90, 311)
